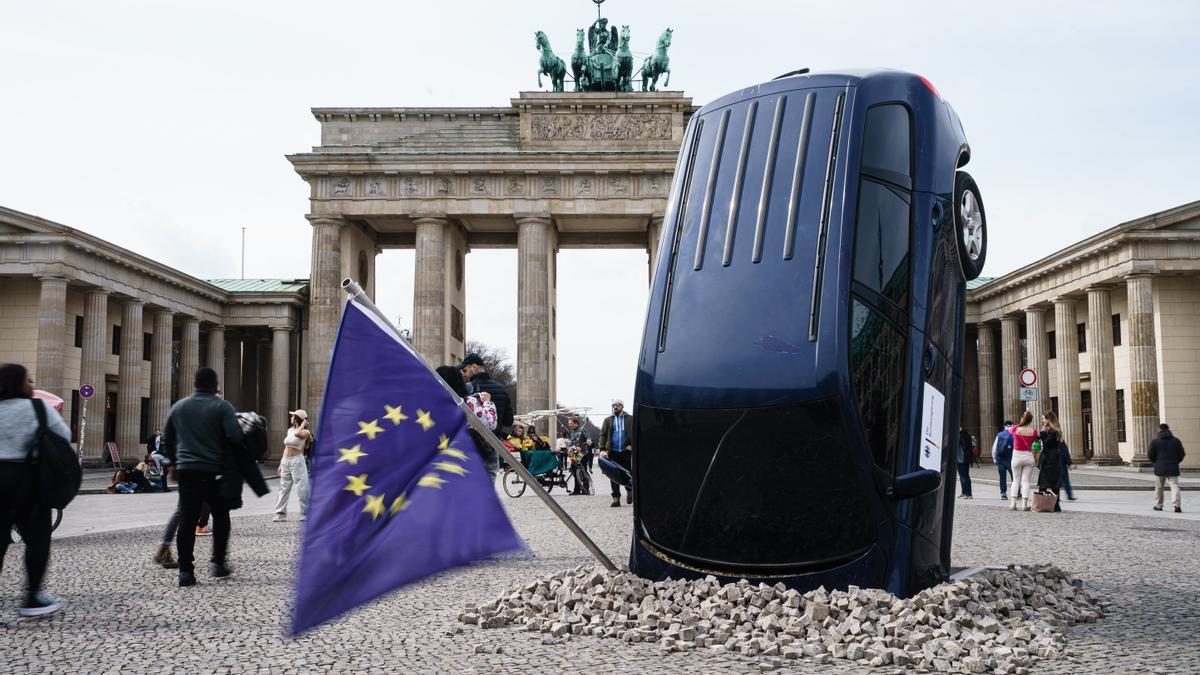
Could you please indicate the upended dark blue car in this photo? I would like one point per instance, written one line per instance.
(798, 388)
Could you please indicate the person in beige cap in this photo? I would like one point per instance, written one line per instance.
(292, 469)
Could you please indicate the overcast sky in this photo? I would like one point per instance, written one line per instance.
(162, 126)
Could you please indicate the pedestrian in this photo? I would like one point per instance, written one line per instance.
(1002, 449)
(199, 431)
(966, 457)
(293, 472)
(481, 404)
(155, 448)
(578, 442)
(1050, 461)
(478, 380)
(615, 436)
(1166, 452)
(1022, 460)
(18, 499)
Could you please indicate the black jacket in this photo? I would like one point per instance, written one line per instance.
(1050, 463)
(240, 465)
(504, 410)
(1166, 452)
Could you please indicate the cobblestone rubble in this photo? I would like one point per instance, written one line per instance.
(126, 615)
(996, 621)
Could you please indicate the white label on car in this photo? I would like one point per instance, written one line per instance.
(933, 413)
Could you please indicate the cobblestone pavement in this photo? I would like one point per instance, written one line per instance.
(127, 615)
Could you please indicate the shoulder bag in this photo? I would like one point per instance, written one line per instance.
(56, 469)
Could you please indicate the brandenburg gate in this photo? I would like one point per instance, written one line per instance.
(552, 170)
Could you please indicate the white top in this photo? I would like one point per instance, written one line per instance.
(293, 440)
(18, 424)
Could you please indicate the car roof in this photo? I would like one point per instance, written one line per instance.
(850, 77)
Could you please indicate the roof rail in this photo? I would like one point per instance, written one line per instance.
(802, 71)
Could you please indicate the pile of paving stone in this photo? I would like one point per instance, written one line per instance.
(998, 621)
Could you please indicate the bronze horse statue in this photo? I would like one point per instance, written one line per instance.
(624, 62)
(550, 64)
(657, 64)
(579, 62)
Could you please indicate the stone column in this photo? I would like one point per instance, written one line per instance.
(429, 289)
(1010, 367)
(653, 233)
(216, 352)
(129, 377)
(92, 368)
(189, 357)
(1104, 379)
(325, 305)
(231, 376)
(248, 399)
(533, 314)
(160, 368)
(52, 337)
(1066, 343)
(264, 376)
(1143, 365)
(988, 422)
(277, 420)
(1038, 353)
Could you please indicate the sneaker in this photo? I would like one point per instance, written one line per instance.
(203, 531)
(40, 605)
(1026, 507)
(187, 579)
(1003, 496)
(163, 557)
(1012, 506)
(220, 570)
(628, 497)
(279, 518)
(1070, 499)
(1178, 509)
(1158, 508)
(616, 501)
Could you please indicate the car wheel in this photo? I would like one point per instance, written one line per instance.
(970, 225)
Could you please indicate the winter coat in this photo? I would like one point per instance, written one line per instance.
(240, 462)
(606, 431)
(504, 410)
(1166, 452)
(1050, 461)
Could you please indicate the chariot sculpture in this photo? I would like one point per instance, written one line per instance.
(603, 61)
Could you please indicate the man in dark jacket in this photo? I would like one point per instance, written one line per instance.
(199, 433)
(478, 380)
(616, 444)
(1166, 452)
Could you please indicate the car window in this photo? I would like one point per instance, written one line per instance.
(881, 239)
(877, 357)
(887, 144)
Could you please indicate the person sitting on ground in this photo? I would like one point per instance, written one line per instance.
(121, 484)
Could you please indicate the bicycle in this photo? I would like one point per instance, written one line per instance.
(14, 536)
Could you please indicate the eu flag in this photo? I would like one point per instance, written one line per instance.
(400, 492)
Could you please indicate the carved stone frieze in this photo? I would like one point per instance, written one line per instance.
(617, 127)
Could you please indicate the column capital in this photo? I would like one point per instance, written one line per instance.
(50, 276)
(1098, 288)
(165, 312)
(985, 325)
(281, 329)
(190, 320)
(431, 219)
(1034, 309)
(216, 327)
(1139, 275)
(315, 219)
(97, 291)
(1064, 300)
(536, 218)
(131, 302)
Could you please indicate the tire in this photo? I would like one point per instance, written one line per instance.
(514, 486)
(970, 225)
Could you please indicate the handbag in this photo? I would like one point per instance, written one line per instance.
(1044, 502)
(56, 470)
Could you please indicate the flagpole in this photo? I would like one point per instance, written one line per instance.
(356, 293)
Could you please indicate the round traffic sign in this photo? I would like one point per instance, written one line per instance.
(87, 391)
(1028, 377)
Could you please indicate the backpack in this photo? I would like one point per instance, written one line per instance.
(975, 447)
(56, 469)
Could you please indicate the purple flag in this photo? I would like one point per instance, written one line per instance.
(399, 491)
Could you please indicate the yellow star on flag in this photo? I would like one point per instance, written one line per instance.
(399, 503)
(450, 467)
(351, 455)
(394, 414)
(443, 442)
(370, 429)
(455, 453)
(374, 506)
(431, 480)
(357, 484)
(424, 420)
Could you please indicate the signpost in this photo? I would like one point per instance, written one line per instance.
(1028, 379)
(86, 392)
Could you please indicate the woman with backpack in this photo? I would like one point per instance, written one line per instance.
(1022, 460)
(18, 501)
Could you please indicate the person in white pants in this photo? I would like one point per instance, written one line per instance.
(292, 469)
(1022, 460)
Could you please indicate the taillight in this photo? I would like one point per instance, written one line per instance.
(929, 84)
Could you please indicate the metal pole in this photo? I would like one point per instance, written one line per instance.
(243, 253)
(356, 293)
(82, 429)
